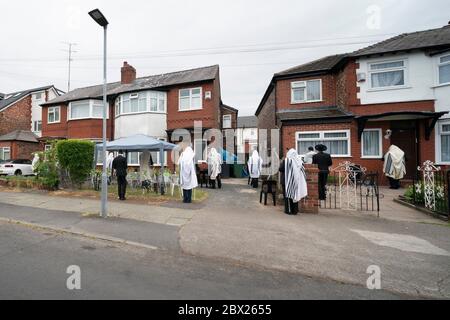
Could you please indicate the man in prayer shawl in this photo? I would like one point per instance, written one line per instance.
(214, 168)
(394, 166)
(254, 168)
(109, 162)
(293, 181)
(188, 175)
(323, 161)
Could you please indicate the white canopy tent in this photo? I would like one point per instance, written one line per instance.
(139, 143)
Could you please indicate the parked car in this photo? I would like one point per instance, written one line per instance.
(18, 167)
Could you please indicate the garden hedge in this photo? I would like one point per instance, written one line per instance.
(76, 156)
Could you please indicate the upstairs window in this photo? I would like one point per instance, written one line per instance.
(306, 91)
(141, 102)
(86, 109)
(53, 115)
(387, 74)
(226, 121)
(444, 69)
(38, 96)
(190, 99)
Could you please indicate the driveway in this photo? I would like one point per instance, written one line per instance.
(412, 253)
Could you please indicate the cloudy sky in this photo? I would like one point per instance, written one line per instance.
(250, 39)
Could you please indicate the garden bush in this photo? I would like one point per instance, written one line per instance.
(47, 169)
(76, 156)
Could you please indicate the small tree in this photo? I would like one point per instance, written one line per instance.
(47, 168)
(76, 156)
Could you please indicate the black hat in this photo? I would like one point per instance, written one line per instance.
(321, 148)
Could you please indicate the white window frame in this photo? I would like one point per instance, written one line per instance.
(157, 163)
(441, 133)
(380, 144)
(3, 153)
(53, 110)
(158, 95)
(322, 137)
(405, 69)
(36, 127)
(190, 99)
(35, 96)
(47, 147)
(205, 155)
(297, 84)
(228, 116)
(133, 164)
(91, 110)
(441, 64)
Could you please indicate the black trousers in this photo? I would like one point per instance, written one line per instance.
(323, 177)
(187, 196)
(290, 207)
(395, 184)
(122, 186)
(254, 182)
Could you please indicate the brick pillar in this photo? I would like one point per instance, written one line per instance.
(311, 203)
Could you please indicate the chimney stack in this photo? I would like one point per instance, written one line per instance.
(128, 73)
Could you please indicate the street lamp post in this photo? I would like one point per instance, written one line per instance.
(101, 20)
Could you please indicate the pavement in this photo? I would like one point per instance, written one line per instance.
(411, 248)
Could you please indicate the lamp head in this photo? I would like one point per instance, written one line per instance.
(98, 17)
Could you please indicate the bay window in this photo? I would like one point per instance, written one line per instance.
(389, 74)
(444, 141)
(133, 158)
(371, 144)
(53, 115)
(337, 142)
(444, 69)
(86, 109)
(306, 91)
(145, 101)
(190, 99)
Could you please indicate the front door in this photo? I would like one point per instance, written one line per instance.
(404, 136)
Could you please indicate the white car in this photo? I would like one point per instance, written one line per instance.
(18, 167)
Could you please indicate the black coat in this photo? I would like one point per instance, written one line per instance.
(120, 165)
(323, 160)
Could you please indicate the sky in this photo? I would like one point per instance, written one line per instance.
(250, 40)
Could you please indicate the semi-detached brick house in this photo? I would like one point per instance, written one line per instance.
(20, 117)
(154, 105)
(394, 92)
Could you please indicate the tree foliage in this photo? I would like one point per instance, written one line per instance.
(76, 156)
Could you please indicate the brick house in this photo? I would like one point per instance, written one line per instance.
(19, 113)
(358, 104)
(247, 135)
(18, 144)
(154, 105)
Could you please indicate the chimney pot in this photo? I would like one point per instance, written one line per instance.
(128, 73)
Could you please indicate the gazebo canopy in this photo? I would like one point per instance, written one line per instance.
(138, 142)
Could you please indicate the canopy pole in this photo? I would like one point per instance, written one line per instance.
(161, 156)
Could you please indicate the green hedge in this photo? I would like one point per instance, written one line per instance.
(76, 156)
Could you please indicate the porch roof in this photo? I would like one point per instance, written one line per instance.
(401, 115)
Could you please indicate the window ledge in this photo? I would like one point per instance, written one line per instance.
(372, 157)
(388, 88)
(89, 118)
(303, 102)
(196, 109)
(441, 85)
(141, 112)
(54, 122)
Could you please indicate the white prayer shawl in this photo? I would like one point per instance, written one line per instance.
(110, 160)
(35, 162)
(295, 177)
(394, 163)
(188, 176)
(255, 165)
(214, 164)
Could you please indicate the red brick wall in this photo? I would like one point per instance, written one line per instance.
(21, 149)
(76, 129)
(426, 148)
(283, 93)
(368, 109)
(234, 116)
(209, 114)
(16, 116)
